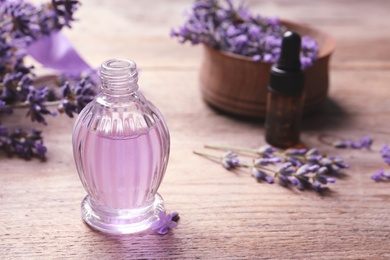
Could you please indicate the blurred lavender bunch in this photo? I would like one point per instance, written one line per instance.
(223, 26)
(301, 168)
(21, 24)
(381, 175)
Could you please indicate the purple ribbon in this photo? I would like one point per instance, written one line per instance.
(56, 52)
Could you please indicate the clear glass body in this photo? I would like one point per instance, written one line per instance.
(283, 120)
(121, 149)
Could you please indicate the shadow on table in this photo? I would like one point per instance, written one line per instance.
(329, 116)
(143, 245)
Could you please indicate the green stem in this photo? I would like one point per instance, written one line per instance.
(207, 155)
(26, 104)
(232, 148)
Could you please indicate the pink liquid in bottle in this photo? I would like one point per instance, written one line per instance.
(123, 173)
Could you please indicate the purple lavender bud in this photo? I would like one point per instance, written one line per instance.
(322, 179)
(293, 180)
(355, 145)
(306, 62)
(269, 179)
(229, 163)
(261, 176)
(283, 180)
(385, 150)
(303, 169)
(366, 142)
(314, 158)
(273, 20)
(294, 161)
(266, 151)
(40, 149)
(268, 58)
(267, 161)
(378, 175)
(322, 170)
(286, 169)
(230, 160)
(338, 162)
(164, 223)
(331, 180)
(326, 161)
(256, 57)
(313, 168)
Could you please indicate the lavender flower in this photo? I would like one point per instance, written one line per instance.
(64, 10)
(234, 29)
(267, 161)
(301, 168)
(380, 175)
(37, 108)
(261, 175)
(77, 95)
(165, 222)
(230, 160)
(385, 152)
(22, 143)
(266, 151)
(364, 142)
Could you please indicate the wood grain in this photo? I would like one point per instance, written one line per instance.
(224, 215)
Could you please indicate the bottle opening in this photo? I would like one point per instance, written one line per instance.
(119, 75)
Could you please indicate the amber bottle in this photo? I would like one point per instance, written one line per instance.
(285, 95)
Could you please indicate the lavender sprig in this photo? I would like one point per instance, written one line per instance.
(224, 26)
(77, 94)
(364, 142)
(22, 143)
(311, 171)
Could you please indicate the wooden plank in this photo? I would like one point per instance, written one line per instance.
(224, 215)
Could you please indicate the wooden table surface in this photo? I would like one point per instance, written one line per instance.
(224, 215)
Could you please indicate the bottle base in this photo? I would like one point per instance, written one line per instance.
(121, 221)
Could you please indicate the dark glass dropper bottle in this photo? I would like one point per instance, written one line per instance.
(285, 95)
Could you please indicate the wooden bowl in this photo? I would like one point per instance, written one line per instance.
(238, 85)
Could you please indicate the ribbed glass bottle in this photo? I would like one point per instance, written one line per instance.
(121, 149)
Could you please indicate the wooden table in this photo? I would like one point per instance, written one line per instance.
(224, 215)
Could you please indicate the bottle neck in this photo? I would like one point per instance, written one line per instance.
(119, 77)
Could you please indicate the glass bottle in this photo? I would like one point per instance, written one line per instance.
(121, 148)
(285, 95)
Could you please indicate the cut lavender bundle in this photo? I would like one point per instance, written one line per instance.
(224, 26)
(301, 168)
(21, 25)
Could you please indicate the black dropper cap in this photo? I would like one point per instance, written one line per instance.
(286, 76)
